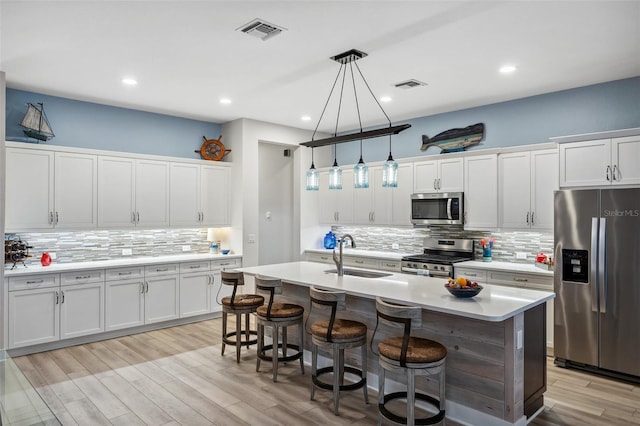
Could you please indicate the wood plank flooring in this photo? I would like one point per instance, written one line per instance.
(176, 376)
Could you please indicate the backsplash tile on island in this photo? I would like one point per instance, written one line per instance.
(107, 245)
(410, 240)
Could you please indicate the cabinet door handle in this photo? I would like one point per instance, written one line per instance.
(435, 184)
(194, 267)
(373, 216)
(520, 280)
(616, 173)
(56, 218)
(390, 265)
(35, 282)
(225, 264)
(57, 298)
(62, 293)
(50, 218)
(162, 270)
(137, 217)
(124, 273)
(141, 288)
(133, 217)
(532, 221)
(471, 274)
(359, 262)
(608, 170)
(439, 184)
(527, 218)
(83, 277)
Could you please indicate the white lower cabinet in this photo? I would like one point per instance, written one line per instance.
(195, 283)
(81, 309)
(124, 298)
(161, 298)
(34, 316)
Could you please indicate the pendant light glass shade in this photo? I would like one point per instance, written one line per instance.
(335, 173)
(313, 176)
(361, 173)
(390, 171)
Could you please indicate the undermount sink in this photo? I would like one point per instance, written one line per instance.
(360, 273)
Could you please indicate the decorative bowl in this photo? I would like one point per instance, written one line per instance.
(225, 251)
(464, 292)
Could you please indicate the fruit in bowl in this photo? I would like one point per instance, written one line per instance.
(463, 287)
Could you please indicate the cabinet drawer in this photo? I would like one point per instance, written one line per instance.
(201, 265)
(33, 281)
(472, 274)
(319, 257)
(82, 277)
(360, 262)
(521, 280)
(226, 264)
(390, 265)
(163, 269)
(125, 273)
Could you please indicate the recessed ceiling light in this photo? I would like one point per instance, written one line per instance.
(507, 69)
(129, 81)
(305, 118)
(225, 101)
(385, 99)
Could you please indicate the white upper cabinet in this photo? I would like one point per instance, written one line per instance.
(600, 162)
(372, 206)
(133, 192)
(214, 195)
(401, 196)
(526, 183)
(46, 190)
(443, 175)
(336, 205)
(481, 192)
(184, 193)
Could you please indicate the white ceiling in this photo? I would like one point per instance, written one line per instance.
(186, 55)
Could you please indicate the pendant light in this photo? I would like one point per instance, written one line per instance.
(361, 173)
(313, 176)
(335, 174)
(390, 171)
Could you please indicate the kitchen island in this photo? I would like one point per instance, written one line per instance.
(496, 367)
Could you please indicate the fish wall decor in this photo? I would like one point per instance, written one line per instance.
(455, 140)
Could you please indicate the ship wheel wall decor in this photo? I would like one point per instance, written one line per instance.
(213, 149)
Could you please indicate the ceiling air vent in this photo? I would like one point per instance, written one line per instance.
(261, 29)
(410, 84)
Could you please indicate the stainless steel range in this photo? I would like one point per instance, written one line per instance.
(438, 257)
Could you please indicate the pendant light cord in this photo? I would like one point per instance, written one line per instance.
(326, 103)
(372, 95)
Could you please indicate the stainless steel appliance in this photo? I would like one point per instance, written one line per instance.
(438, 257)
(440, 208)
(597, 280)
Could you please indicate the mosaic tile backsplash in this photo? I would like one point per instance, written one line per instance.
(107, 245)
(410, 240)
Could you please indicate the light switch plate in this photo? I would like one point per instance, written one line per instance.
(521, 255)
(519, 339)
(395, 246)
(127, 252)
(186, 248)
(53, 255)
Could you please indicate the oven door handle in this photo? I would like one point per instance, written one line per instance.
(426, 272)
(439, 274)
(449, 208)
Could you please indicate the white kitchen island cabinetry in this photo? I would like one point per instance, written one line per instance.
(600, 162)
(60, 187)
(527, 180)
(199, 195)
(132, 192)
(442, 175)
(481, 192)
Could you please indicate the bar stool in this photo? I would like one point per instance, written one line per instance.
(338, 335)
(278, 316)
(238, 304)
(410, 356)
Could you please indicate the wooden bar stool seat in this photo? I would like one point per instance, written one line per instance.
(410, 356)
(278, 316)
(239, 305)
(337, 335)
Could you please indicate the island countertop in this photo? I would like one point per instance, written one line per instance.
(494, 303)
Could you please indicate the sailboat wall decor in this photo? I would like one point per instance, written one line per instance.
(35, 123)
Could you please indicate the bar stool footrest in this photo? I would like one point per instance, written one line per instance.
(403, 420)
(262, 355)
(347, 369)
(227, 341)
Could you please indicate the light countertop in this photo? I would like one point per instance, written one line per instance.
(495, 303)
(390, 255)
(115, 263)
(504, 267)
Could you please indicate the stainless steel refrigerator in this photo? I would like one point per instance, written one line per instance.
(597, 280)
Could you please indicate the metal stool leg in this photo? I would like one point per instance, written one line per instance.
(247, 333)
(274, 353)
(314, 366)
(224, 330)
(338, 357)
(411, 396)
(301, 343)
(238, 336)
(380, 392)
(260, 329)
(364, 373)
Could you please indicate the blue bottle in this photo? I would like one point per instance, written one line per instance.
(330, 240)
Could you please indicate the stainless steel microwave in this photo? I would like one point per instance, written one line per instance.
(440, 208)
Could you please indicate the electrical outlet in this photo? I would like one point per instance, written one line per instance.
(521, 255)
(519, 339)
(53, 255)
(395, 246)
(252, 238)
(186, 248)
(127, 252)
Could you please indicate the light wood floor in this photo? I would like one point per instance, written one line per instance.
(176, 376)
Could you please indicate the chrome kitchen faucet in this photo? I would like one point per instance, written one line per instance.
(338, 262)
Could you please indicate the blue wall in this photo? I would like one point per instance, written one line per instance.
(601, 107)
(89, 125)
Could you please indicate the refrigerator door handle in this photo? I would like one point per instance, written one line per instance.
(594, 262)
(602, 275)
